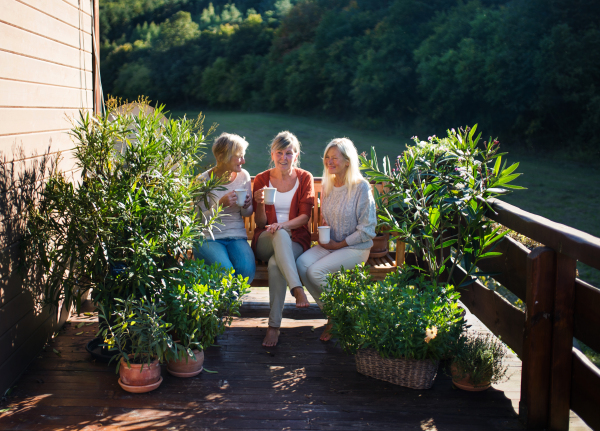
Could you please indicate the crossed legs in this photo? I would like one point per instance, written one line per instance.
(281, 253)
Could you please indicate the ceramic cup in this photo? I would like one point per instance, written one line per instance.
(270, 193)
(241, 196)
(324, 234)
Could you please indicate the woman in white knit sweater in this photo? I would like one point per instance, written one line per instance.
(348, 208)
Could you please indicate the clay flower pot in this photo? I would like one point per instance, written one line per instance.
(462, 380)
(187, 367)
(380, 245)
(137, 379)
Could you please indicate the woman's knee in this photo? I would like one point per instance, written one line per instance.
(317, 275)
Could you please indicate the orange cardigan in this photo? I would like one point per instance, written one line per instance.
(302, 203)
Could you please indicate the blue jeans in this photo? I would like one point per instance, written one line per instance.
(229, 252)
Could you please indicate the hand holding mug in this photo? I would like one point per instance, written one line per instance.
(248, 201)
(229, 199)
(259, 196)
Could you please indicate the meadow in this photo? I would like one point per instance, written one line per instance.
(565, 192)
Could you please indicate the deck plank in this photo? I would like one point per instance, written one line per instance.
(302, 384)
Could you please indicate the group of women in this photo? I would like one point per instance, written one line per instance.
(282, 237)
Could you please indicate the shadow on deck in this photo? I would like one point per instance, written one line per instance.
(301, 384)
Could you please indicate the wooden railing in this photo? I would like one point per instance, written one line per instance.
(556, 377)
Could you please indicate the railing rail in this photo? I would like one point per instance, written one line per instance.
(555, 377)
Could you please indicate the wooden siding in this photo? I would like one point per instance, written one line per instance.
(47, 75)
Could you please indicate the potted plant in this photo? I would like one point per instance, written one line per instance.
(201, 301)
(436, 199)
(398, 328)
(477, 362)
(121, 227)
(381, 241)
(140, 338)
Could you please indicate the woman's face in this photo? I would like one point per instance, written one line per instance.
(236, 162)
(335, 163)
(284, 159)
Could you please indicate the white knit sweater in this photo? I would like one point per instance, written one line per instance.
(353, 217)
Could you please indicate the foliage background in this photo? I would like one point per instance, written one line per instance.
(526, 70)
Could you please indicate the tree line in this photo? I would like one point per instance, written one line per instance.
(527, 70)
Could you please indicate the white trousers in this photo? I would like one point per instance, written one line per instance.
(317, 262)
(281, 253)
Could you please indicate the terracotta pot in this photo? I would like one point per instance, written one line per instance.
(462, 380)
(189, 368)
(380, 245)
(140, 379)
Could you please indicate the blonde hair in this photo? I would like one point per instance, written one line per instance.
(353, 175)
(284, 140)
(227, 145)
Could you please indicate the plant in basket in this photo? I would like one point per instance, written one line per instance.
(477, 362)
(139, 336)
(201, 301)
(398, 328)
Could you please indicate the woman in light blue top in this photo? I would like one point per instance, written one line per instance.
(229, 243)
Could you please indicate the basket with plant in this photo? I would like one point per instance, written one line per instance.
(398, 328)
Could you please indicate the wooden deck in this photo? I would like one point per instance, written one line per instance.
(301, 384)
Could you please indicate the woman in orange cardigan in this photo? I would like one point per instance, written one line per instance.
(282, 233)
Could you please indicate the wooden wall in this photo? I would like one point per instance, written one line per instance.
(47, 75)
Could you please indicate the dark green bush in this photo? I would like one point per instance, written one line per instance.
(403, 316)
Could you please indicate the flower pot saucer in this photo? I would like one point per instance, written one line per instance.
(140, 389)
(191, 374)
(469, 387)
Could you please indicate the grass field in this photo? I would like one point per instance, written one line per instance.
(565, 192)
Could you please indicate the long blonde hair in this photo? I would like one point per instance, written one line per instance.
(353, 175)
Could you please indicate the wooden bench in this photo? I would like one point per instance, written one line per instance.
(379, 267)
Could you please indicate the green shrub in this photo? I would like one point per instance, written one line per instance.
(201, 301)
(138, 332)
(123, 226)
(480, 356)
(403, 316)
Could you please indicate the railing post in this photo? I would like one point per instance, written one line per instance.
(534, 407)
(562, 343)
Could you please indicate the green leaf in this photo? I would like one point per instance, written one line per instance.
(510, 169)
(79, 333)
(80, 325)
(497, 165)
(211, 372)
(490, 254)
(56, 352)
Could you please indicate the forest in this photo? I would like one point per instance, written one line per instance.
(527, 70)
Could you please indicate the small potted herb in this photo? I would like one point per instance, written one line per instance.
(398, 328)
(201, 301)
(140, 337)
(478, 362)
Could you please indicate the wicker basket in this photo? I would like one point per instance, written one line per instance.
(412, 373)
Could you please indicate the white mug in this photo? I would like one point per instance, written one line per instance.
(270, 193)
(324, 234)
(241, 196)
